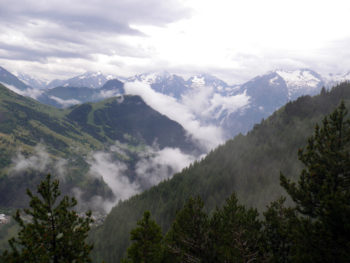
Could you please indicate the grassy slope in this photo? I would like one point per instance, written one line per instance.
(72, 135)
(248, 165)
(24, 123)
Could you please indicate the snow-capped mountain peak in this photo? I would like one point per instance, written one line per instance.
(152, 77)
(207, 80)
(30, 81)
(210, 81)
(89, 79)
(300, 77)
(197, 81)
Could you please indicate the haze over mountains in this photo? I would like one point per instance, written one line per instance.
(248, 165)
(202, 102)
(110, 142)
(103, 152)
(208, 110)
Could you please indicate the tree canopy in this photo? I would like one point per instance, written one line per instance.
(315, 229)
(50, 230)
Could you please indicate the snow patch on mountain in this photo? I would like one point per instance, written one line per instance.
(300, 81)
(93, 80)
(30, 81)
(197, 81)
(151, 77)
(273, 81)
(299, 78)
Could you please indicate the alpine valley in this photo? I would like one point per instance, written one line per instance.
(116, 143)
(75, 126)
(248, 165)
(116, 134)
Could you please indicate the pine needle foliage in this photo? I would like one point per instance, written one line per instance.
(50, 231)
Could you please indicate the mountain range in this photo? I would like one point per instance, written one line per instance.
(204, 110)
(89, 79)
(112, 141)
(206, 99)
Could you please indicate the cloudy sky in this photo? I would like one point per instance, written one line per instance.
(232, 39)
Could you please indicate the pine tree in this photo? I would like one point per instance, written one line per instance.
(279, 226)
(146, 238)
(322, 194)
(235, 233)
(51, 231)
(187, 239)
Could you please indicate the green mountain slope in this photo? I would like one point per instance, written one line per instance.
(25, 124)
(71, 136)
(248, 165)
(129, 116)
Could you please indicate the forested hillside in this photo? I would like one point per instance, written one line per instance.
(247, 165)
(37, 139)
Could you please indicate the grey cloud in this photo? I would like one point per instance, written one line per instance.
(119, 13)
(17, 52)
(78, 29)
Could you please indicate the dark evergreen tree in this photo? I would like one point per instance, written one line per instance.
(146, 238)
(322, 194)
(51, 231)
(279, 226)
(235, 234)
(187, 238)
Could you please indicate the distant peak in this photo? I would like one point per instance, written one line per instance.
(152, 77)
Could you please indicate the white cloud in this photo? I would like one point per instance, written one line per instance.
(229, 104)
(203, 101)
(208, 135)
(153, 166)
(41, 161)
(198, 100)
(38, 161)
(29, 92)
(65, 103)
(161, 165)
(113, 174)
(108, 93)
